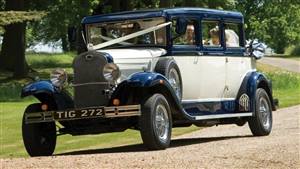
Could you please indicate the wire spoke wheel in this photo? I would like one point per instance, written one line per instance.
(156, 122)
(261, 123)
(264, 111)
(162, 122)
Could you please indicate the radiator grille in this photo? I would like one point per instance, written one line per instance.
(89, 82)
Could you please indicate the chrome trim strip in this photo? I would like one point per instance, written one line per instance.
(90, 83)
(127, 114)
(207, 100)
(221, 116)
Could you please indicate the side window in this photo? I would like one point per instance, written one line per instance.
(211, 34)
(189, 38)
(232, 35)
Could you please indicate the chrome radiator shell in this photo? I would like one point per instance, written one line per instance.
(89, 82)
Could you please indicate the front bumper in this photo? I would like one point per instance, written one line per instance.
(84, 113)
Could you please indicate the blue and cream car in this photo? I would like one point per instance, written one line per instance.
(153, 70)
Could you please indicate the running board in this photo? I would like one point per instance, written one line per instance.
(222, 116)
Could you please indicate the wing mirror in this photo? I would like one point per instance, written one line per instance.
(256, 49)
(181, 24)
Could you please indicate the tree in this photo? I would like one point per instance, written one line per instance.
(12, 56)
(213, 4)
(270, 22)
(62, 14)
(165, 3)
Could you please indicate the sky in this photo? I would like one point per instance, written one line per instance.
(44, 48)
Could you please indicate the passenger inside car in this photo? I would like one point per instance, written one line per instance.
(189, 35)
(232, 39)
(215, 37)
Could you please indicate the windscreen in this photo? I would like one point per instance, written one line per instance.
(103, 32)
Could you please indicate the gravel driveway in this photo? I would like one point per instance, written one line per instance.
(215, 147)
(288, 64)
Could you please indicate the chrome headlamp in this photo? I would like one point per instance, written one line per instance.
(58, 77)
(111, 72)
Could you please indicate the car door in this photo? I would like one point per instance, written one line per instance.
(211, 64)
(185, 53)
(237, 65)
(202, 66)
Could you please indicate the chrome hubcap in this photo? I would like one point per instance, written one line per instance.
(175, 82)
(162, 122)
(264, 111)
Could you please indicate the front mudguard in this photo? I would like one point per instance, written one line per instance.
(139, 86)
(144, 83)
(45, 92)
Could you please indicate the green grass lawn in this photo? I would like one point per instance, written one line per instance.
(12, 144)
(12, 108)
(297, 58)
(293, 57)
(286, 87)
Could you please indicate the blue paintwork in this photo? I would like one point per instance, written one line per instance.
(250, 84)
(170, 14)
(45, 92)
(108, 57)
(167, 13)
(43, 86)
(187, 110)
(127, 15)
(151, 79)
(254, 80)
(146, 79)
(210, 108)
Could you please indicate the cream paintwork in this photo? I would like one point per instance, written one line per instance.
(204, 78)
(236, 69)
(135, 59)
(212, 78)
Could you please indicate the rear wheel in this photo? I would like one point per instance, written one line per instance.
(261, 123)
(156, 123)
(39, 138)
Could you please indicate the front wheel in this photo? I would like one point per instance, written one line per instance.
(261, 123)
(39, 138)
(156, 123)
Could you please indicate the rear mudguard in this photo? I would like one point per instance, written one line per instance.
(252, 81)
(140, 86)
(45, 92)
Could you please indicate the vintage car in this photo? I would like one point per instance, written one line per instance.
(153, 70)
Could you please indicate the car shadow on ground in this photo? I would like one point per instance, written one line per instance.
(140, 147)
